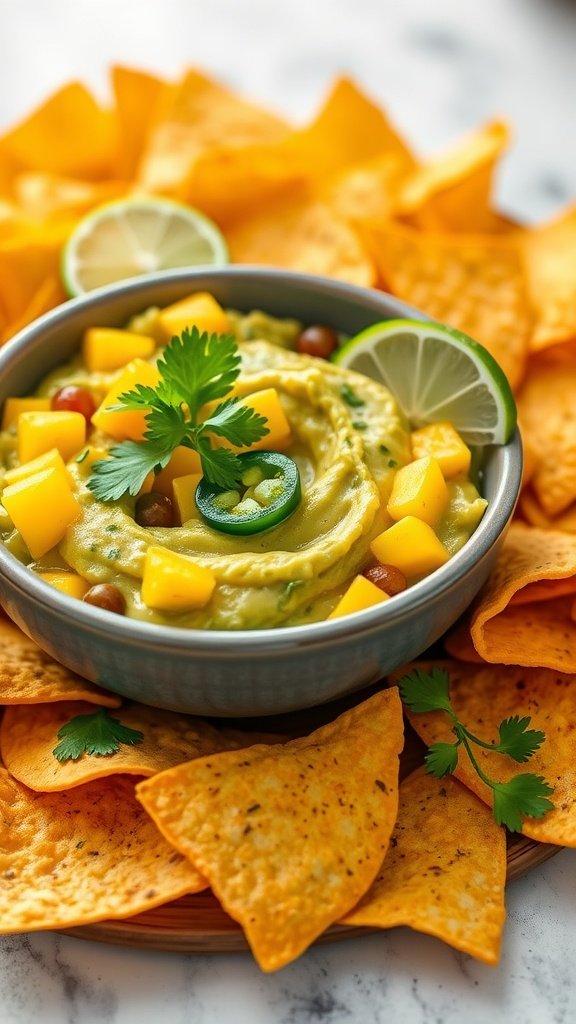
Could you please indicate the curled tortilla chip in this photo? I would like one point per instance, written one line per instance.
(534, 514)
(169, 739)
(473, 283)
(453, 192)
(303, 235)
(540, 634)
(92, 853)
(551, 266)
(29, 676)
(458, 644)
(445, 870)
(482, 697)
(290, 837)
(548, 414)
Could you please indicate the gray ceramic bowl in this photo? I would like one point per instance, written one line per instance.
(248, 672)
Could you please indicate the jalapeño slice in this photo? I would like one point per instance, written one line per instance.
(269, 492)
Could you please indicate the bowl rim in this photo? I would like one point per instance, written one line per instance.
(261, 641)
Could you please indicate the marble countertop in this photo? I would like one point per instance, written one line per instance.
(440, 69)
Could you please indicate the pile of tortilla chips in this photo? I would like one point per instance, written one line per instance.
(294, 836)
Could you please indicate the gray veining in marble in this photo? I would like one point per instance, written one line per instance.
(440, 68)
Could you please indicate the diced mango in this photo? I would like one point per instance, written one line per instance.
(42, 507)
(412, 546)
(182, 462)
(185, 496)
(130, 424)
(199, 310)
(445, 445)
(68, 582)
(14, 406)
(50, 460)
(360, 594)
(91, 454)
(419, 489)
(265, 403)
(106, 348)
(38, 432)
(173, 582)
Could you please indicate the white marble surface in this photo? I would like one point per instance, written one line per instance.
(441, 68)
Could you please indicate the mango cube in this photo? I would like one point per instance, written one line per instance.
(360, 594)
(173, 582)
(130, 424)
(412, 546)
(265, 403)
(182, 462)
(67, 582)
(419, 489)
(14, 406)
(38, 432)
(42, 507)
(445, 445)
(106, 348)
(199, 310)
(185, 496)
(50, 460)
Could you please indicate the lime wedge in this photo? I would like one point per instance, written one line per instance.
(436, 374)
(130, 237)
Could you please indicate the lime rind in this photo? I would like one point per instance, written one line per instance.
(436, 373)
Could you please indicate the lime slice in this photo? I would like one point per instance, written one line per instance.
(130, 237)
(436, 374)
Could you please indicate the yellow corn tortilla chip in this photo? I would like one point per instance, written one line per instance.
(551, 266)
(92, 853)
(137, 95)
(69, 134)
(482, 696)
(458, 644)
(27, 260)
(548, 414)
(473, 283)
(169, 739)
(453, 192)
(47, 197)
(290, 836)
(540, 634)
(533, 513)
(445, 870)
(303, 235)
(29, 676)
(49, 294)
(195, 116)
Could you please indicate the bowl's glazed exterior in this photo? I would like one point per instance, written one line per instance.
(245, 672)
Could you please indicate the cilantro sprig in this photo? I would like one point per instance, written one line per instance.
(195, 369)
(98, 734)
(524, 794)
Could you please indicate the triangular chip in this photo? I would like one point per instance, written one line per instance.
(137, 97)
(445, 870)
(27, 260)
(483, 696)
(29, 676)
(534, 514)
(68, 859)
(551, 265)
(547, 412)
(473, 283)
(458, 644)
(168, 739)
(291, 836)
(536, 634)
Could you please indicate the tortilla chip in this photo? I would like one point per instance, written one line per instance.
(290, 837)
(26, 262)
(458, 644)
(302, 235)
(473, 283)
(531, 634)
(69, 134)
(195, 116)
(52, 197)
(169, 739)
(137, 96)
(534, 514)
(453, 193)
(551, 266)
(49, 294)
(482, 696)
(72, 858)
(445, 871)
(29, 676)
(548, 414)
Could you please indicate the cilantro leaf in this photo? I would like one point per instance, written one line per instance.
(442, 759)
(350, 397)
(426, 691)
(523, 794)
(200, 367)
(98, 734)
(127, 468)
(238, 423)
(517, 740)
(220, 465)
